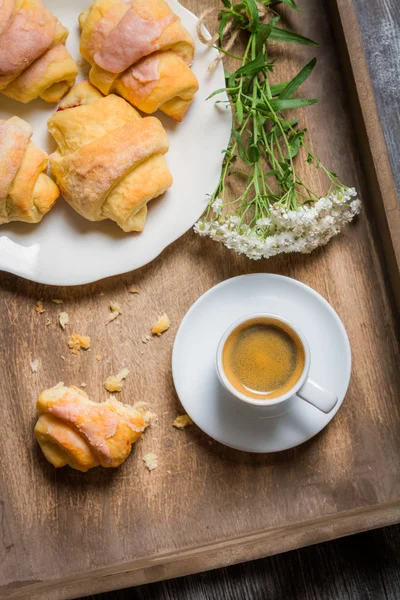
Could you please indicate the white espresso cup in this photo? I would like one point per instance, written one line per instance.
(305, 388)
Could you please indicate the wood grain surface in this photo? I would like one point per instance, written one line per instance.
(64, 534)
(380, 27)
(367, 122)
(362, 567)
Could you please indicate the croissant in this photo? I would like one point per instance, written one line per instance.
(34, 61)
(26, 192)
(72, 430)
(109, 161)
(141, 51)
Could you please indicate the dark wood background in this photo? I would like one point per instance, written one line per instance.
(380, 26)
(361, 567)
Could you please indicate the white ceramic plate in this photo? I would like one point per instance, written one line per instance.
(65, 249)
(219, 413)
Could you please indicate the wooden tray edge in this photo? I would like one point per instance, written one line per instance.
(384, 197)
(210, 557)
(373, 149)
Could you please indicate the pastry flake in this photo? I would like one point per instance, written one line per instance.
(72, 430)
(77, 341)
(39, 307)
(162, 324)
(114, 382)
(63, 319)
(34, 364)
(115, 312)
(151, 461)
(182, 421)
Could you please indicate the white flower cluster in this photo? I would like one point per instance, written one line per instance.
(283, 231)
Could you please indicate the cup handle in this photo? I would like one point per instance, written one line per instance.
(314, 394)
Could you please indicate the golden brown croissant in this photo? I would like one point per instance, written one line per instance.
(72, 430)
(34, 61)
(110, 161)
(26, 192)
(140, 50)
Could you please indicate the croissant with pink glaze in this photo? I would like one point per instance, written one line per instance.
(141, 51)
(72, 430)
(26, 192)
(34, 61)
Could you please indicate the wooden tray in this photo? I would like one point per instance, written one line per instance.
(65, 535)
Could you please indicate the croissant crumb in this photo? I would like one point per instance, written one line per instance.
(114, 382)
(133, 290)
(76, 342)
(57, 300)
(151, 461)
(182, 421)
(34, 364)
(115, 312)
(64, 319)
(39, 307)
(163, 324)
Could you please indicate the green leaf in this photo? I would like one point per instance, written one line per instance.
(295, 141)
(276, 132)
(252, 12)
(292, 4)
(272, 173)
(277, 88)
(239, 111)
(241, 150)
(263, 33)
(278, 104)
(220, 91)
(227, 3)
(253, 154)
(224, 20)
(283, 35)
(252, 67)
(296, 82)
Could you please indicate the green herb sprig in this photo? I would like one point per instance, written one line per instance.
(263, 139)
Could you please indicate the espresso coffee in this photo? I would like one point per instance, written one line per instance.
(263, 358)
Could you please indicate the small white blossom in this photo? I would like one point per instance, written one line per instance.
(265, 222)
(283, 231)
(217, 205)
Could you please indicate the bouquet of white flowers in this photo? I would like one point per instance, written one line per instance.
(276, 212)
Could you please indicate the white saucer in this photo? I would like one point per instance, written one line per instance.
(214, 409)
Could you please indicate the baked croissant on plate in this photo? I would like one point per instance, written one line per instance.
(140, 50)
(72, 430)
(109, 161)
(26, 192)
(34, 61)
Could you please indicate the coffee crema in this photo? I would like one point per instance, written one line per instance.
(263, 358)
